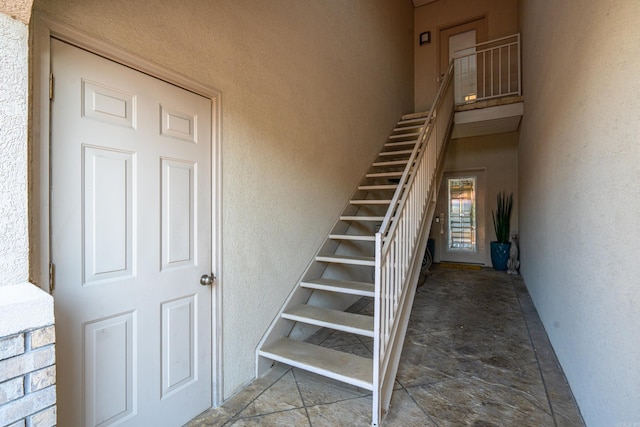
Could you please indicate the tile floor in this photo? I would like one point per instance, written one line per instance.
(475, 354)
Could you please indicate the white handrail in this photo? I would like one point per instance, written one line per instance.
(496, 40)
(485, 73)
(395, 242)
(405, 175)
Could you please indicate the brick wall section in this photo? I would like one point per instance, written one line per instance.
(27, 379)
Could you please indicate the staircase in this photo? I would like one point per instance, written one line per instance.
(374, 250)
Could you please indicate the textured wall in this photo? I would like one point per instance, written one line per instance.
(310, 91)
(502, 20)
(19, 10)
(14, 256)
(580, 195)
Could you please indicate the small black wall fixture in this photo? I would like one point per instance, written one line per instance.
(425, 37)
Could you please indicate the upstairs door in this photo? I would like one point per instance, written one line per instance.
(461, 218)
(460, 40)
(462, 49)
(131, 235)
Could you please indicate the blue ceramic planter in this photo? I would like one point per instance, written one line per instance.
(500, 255)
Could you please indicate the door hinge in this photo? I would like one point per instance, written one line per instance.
(50, 86)
(52, 277)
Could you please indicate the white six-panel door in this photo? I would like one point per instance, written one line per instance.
(131, 235)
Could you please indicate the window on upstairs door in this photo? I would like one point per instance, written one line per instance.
(461, 50)
(462, 214)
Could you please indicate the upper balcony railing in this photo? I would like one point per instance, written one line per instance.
(488, 70)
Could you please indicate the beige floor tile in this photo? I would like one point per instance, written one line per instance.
(319, 390)
(293, 418)
(282, 395)
(353, 413)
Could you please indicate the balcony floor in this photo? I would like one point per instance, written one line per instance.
(475, 353)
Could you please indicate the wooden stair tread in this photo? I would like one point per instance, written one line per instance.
(343, 286)
(405, 128)
(378, 187)
(391, 163)
(395, 153)
(361, 218)
(359, 237)
(344, 259)
(421, 120)
(370, 201)
(334, 319)
(405, 135)
(400, 143)
(345, 367)
(414, 117)
(384, 174)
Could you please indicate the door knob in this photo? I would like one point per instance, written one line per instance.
(207, 280)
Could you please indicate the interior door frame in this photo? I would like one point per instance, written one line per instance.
(44, 29)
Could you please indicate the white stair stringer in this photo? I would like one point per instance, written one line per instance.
(344, 270)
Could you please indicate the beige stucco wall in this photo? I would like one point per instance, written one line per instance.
(497, 156)
(24, 308)
(580, 195)
(309, 89)
(14, 249)
(20, 10)
(502, 20)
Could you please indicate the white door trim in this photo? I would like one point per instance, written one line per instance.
(44, 29)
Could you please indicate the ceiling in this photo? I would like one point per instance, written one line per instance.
(417, 3)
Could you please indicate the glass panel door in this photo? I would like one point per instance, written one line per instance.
(462, 214)
(460, 218)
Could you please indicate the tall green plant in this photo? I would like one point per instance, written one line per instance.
(502, 217)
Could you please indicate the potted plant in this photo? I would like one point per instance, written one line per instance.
(502, 226)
